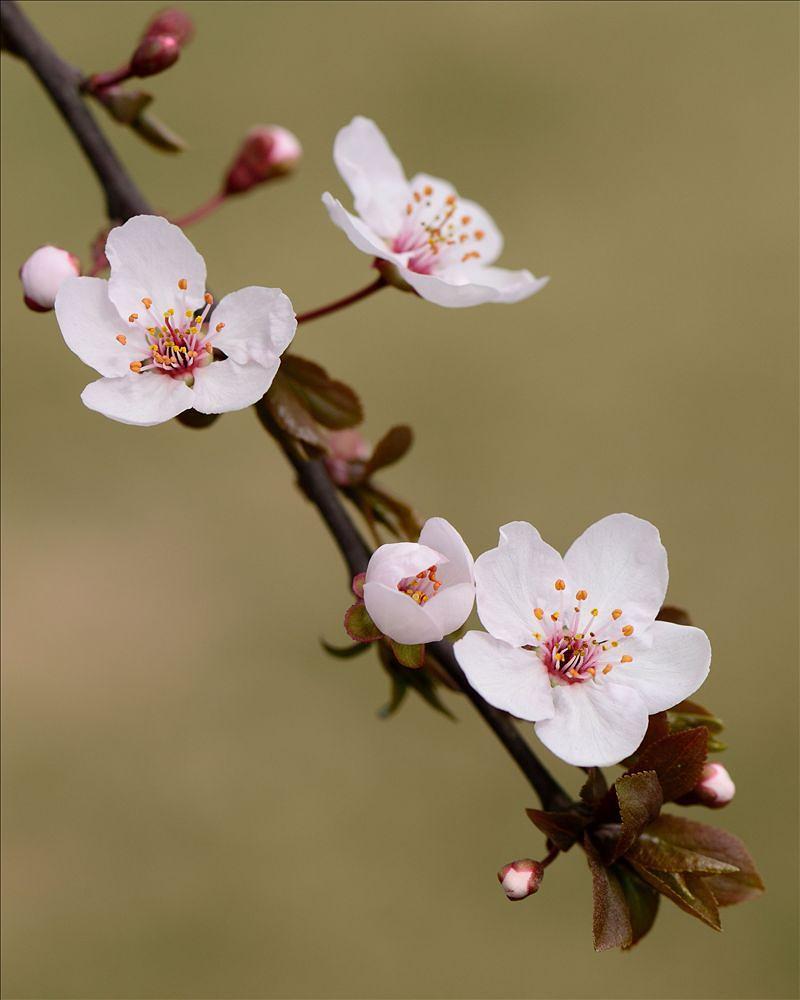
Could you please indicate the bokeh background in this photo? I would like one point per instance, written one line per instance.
(198, 802)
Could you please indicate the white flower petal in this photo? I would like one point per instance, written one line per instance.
(670, 662)
(373, 173)
(90, 325)
(258, 323)
(225, 385)
(398, 616)
(148, 257)
(596, 724)
(515, 578)
(511, 679)
(490, 245)
(439, 534)
(451, 606)
(621, 562)
(459, 286)
(142, 399)
(358, 232)
(390, 563)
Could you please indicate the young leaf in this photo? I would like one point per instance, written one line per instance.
(611, 919)
(678, 761)
(689, 715)
(333, 404)
(563, 828)
(728, 888)
(411, 656)
(660, 854)
(291, 414)
(399, 689)
(344, 652)
(641, 898)
(359, 625)
(159, 135)
(594, 788)
(640, 800)
(689, 891)
(403, 678)
(390, 449)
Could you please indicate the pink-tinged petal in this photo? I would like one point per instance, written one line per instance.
(358, 232)
(439, 534)
(390, 563)
(670, 662)
(514, 680)
(225, 385)
(515, 578)
(90, 325)
(451, 606)
(398, 616)
(373, 173)
(622, 564)
(459, 286)
(258, 325)
(148, 257)
(596, 724)
(143, 399)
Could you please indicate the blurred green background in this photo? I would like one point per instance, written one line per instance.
(203, 804)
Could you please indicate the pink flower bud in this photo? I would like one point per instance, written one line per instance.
(267, 151)
(715, 788)
(43, 273)
(348, 450)
(521, 878)
(173, 22)
(154, 54)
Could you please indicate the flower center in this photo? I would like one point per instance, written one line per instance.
(436, 233)
(422, 587)
(578, 643)
(175, 341)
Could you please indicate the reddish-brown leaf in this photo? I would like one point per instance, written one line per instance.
(689, 891)
(291, 414)
(678, 761)
(333, 404)
(390, 449)
(563, 828)
(640, 800)
(611, 919)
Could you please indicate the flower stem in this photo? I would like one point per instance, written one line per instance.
(201, 211)
(348, 300)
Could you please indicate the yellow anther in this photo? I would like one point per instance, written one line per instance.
(616, 613)
(417, 197)
(122, 339)
(608, 668)
(614, 643)
(427, 190)
(572, 672)
(595, 612)
(133, 317)
(479, 234)
(465, 220)
(537, 636)
(188, 314)
(147, 303)
(208, 298)
(472, 255)
(591, 670)
(183, 284)
(560, 585)
(555, 616)
(450, 199)
(626, 659)
(538, 613)
(219, 326)
(576, 608)
(409, 208)
(135, 366)
(628, 630)
(581, 595)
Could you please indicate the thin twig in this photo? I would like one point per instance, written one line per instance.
(124, 200)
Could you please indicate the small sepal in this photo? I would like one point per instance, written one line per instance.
(156, 133)
(358, 624)
(407, 655)
(358, 585)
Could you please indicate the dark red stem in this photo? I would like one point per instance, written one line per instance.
(201, 211)
(348, 300)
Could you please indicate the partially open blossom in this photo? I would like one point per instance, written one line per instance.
(573, 644)
(267, 151)
(419, 592)
(434, 241)
(521, 878)
(348, 452)
(715, 788)
(147, 330)
(43, 273)
(154, 54)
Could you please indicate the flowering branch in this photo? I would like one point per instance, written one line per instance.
(348, 300)
(63, 84)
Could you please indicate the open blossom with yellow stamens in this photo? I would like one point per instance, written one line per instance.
(418, 592)
(150, 333)
(573, 644)
(438, 243)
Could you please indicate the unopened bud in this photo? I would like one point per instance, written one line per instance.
(43, 273)
(348, 451)
(173, 22)
(521, 878)
(267, 151)
(154, 54)
(715, 788)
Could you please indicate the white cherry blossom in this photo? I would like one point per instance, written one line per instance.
(437, 242)
(573, 644)
(418, 592)
(145, 330)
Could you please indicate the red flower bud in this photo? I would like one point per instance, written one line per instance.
(715, 788)
(42, 275)
(267, 151)
(154, 54)
(521, 878)
(175, 23)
